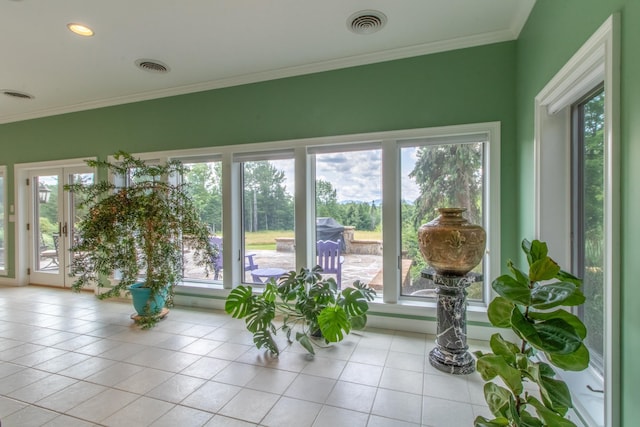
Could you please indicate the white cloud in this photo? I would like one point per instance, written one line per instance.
(356, 175)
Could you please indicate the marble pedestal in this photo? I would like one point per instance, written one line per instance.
(450, 354)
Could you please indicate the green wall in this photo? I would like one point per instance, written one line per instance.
(554, 32)
(464, 86)
(431, 90)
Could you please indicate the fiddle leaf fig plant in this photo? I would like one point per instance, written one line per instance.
(305, 305)
(531, 305)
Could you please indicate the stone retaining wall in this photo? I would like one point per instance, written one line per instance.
(362, 247)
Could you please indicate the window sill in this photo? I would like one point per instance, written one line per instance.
(588, 404)
(408, 315)
(199, 285)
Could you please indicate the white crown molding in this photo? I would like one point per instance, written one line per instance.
(352, 61)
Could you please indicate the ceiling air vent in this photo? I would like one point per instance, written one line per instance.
(16, 94)
(366, 21)
(152, 66)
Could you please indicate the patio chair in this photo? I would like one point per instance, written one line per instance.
(217, 261)
(329, 258)
(50, 254)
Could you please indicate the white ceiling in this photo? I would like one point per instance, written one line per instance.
(209, 44)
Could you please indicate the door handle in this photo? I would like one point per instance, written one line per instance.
(64, 229)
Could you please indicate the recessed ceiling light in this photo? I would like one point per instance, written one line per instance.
(366, 21)
(17, 94)
(81, 30)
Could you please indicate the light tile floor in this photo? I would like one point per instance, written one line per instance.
(71, 360)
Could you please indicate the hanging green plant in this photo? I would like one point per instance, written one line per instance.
(532, 306)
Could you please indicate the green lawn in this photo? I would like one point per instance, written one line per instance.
(367, 235)
(266, 240)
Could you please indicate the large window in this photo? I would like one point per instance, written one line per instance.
(268, 239)
(588, 216)
(577, 205)
(348, 205)
(438, 173)
(3, 223)
(269, 205)
(204, 181)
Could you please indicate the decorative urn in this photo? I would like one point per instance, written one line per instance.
(450, 244)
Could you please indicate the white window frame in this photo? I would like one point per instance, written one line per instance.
(239, 158)
(487, 150)
(595, 62)
(194, 160)
(5, 223)
(390, 310)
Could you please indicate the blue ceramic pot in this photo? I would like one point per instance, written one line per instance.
(141, 295)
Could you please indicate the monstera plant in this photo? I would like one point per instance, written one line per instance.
(533, 306)
(304, 305)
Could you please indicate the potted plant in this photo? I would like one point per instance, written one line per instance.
(135, 233)
(302, 303)
(531, 305)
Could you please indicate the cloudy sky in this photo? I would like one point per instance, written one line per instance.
(357, 175)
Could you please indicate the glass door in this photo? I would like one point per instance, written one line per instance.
(54, 215)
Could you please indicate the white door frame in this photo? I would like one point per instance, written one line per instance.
(22, 171)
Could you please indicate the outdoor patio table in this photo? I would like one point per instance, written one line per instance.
(261, 275)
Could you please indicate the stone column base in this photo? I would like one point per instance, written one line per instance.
(452, 363)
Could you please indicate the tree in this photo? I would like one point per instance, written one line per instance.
(591, 157)
(360, 215)
(448, 176)
(351, 215)
(267, 205)
(593, 170)
(49, 210)
(48, 216)
(205, 189)
(364, 217)
(326, 199)
(374, 215)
